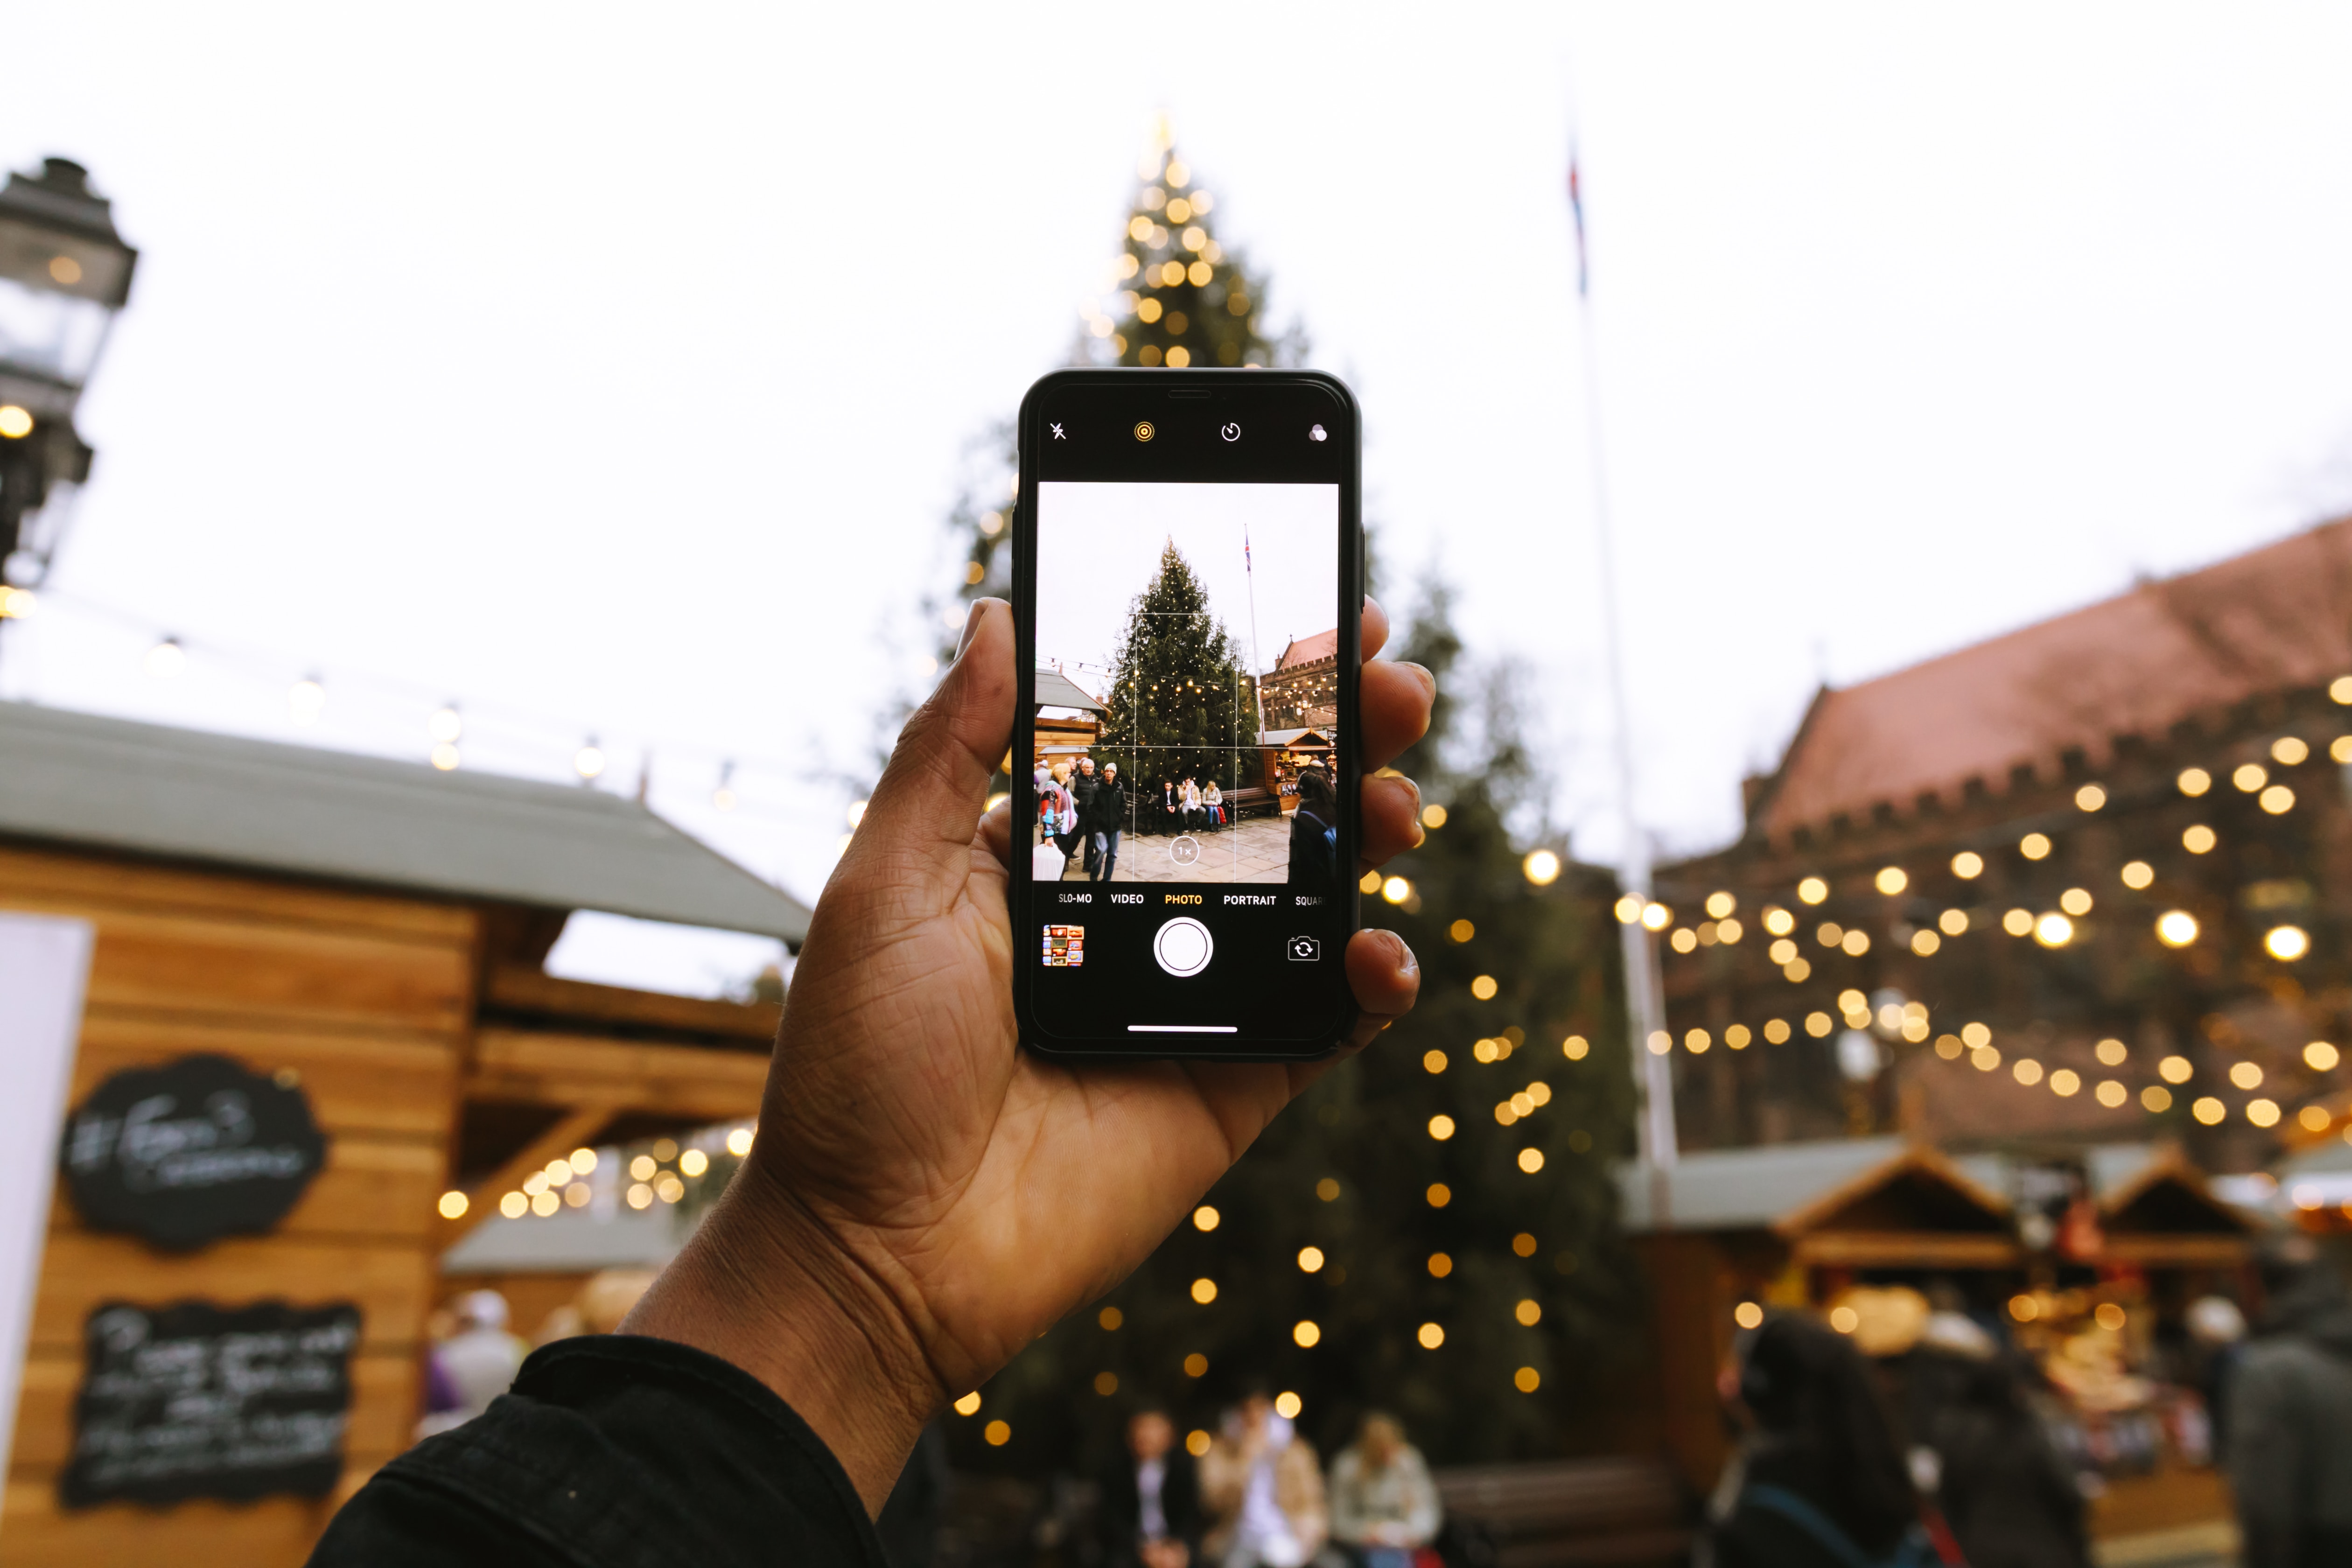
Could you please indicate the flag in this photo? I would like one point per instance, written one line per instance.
(1576, 206)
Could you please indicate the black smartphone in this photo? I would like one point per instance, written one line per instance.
(1188, 582)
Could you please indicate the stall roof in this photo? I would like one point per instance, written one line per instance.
(1056, 690)
(1292, 737)
(110, 784)
(1740, 1189)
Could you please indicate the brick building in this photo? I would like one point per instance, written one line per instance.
(2090, 880)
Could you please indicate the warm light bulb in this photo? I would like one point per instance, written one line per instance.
(589, 760)
(444, 726)
(1541, 867)
(305, 699)
(2176, 928)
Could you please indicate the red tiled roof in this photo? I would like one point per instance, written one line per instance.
(2277, 617)
(1307, 651)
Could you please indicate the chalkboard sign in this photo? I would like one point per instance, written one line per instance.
(195, 1400)
(195, 1149)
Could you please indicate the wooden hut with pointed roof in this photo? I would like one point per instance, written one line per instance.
(1774, 1224)
(373, 932)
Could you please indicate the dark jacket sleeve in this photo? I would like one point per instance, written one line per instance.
(612, 1452)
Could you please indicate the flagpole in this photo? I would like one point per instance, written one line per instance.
(1257, 696)
(1645, 1003)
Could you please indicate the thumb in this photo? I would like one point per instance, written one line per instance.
(926, 806)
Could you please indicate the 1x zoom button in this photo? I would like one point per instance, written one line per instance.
(1184, 946)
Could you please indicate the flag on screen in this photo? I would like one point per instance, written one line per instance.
(1576, 206)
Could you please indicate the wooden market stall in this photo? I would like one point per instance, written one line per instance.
(2133, 1235)
(1766, 1225)
(1069, 719)
(355, 947)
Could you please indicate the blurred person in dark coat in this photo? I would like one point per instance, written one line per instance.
(1820, 1482)
(2290, 1416)
(2007, 1499)
(1152, 1499)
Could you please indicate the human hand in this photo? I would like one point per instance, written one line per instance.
(924, 1197)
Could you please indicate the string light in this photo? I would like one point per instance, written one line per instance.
(589, 760)
(166, 660)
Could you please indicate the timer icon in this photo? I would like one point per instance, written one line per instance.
(1230, 431)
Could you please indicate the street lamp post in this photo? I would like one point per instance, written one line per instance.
(64, 274)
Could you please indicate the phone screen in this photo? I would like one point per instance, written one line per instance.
(1188, 573)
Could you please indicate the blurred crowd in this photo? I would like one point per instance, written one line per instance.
(1255, 1494)
(1946, 1445)
(1916, 1432)
(472, 1352)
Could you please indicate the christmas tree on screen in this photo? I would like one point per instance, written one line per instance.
(1427, 1231)
(1178, 693)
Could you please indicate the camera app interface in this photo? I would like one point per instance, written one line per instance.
(1186, 842)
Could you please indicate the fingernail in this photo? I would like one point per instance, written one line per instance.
(970, 625)
(1429, 679)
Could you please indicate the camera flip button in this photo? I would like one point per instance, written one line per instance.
(1184, 946)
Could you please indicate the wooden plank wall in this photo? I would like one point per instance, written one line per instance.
(370, 999)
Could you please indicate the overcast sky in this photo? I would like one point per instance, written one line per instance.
(608, 369)
(1098, 547)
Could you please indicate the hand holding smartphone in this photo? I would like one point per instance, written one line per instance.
(1188, 589)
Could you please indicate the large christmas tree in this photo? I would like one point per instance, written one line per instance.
(1427, 1230)
(1214, 313)
(1179, 696)
(1177, 294)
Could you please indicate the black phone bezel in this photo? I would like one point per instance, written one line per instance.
(1141, 384)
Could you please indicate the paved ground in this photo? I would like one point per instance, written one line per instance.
(1257, 850)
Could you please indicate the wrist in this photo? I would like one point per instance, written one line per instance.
(763, 1284)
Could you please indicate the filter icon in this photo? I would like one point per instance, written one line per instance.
(1316, 433)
